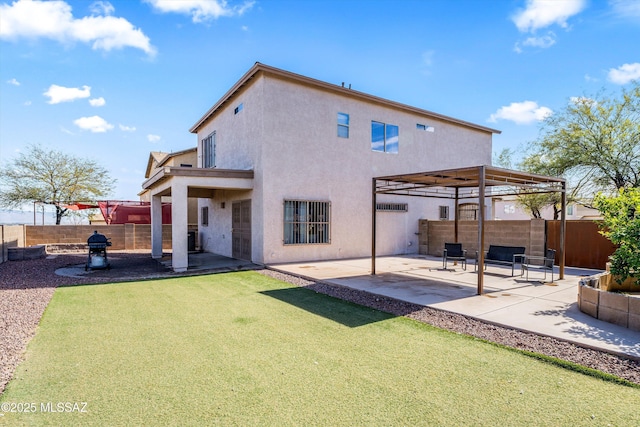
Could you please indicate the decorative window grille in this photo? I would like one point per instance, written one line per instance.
(468, 211)
(209, 151)
(306, 222)
(392, 207)
(444, 212)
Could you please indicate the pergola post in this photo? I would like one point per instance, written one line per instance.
(373, 227)
(455, 223)
(563, 224)
(481, 188)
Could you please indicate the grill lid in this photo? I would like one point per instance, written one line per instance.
(97, 238)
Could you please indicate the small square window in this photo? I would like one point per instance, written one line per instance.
(425, 128)
(343, 125)
(238, 109)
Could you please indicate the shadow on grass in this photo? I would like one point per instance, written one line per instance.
(345, 313)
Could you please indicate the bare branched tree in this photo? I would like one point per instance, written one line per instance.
(54, 178)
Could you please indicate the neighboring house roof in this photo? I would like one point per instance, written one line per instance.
(158, 159)
(344, 91)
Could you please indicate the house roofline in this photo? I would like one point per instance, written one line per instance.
(162, 158)
(176, 153)
(266, 69)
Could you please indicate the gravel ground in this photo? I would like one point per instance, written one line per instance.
(26, 287)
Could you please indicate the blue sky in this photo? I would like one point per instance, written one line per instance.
(114, 80)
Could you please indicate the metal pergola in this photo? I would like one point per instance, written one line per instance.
(476, 182)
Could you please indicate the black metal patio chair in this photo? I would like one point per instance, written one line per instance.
(454, 252)
(539, 263)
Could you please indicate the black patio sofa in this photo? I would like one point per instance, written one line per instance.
(503, 255)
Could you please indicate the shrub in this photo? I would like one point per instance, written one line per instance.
(621, 225)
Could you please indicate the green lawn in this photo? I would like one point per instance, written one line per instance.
(244, 349)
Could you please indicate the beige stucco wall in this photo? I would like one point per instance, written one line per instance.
(287, 133)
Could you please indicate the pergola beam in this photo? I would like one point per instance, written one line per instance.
(463, 183)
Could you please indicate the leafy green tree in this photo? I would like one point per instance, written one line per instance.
(54, 178)
(598, 137)
(621, 225)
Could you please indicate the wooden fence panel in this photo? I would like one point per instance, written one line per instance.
(585, 246)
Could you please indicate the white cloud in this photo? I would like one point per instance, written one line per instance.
(541, 42)
(97, 102)
(95, 124)
(127, 128)
(625, 73)
(521, 113)
(13, 82)
(102, 8)
(54, 20)
(427, 57)
(626, 8)
(543, 13)
(58, 94)
(27, 103)
(153, 138)
(201, 10)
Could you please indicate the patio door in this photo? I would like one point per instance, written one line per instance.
(241, 230)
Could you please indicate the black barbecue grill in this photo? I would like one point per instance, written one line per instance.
(97, 251)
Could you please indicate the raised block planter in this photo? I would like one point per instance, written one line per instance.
(30, 252)
(614, 307)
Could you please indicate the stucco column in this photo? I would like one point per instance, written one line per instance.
(179, 227)
(156, 227)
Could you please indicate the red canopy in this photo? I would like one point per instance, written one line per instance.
(124, 211)
(127, 212)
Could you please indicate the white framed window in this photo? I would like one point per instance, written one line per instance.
(444, 212)
(384, 137)
(209, 151)
(343, 125)
(306, 222)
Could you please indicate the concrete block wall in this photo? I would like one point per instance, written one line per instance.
(123, 236)
(530, 234)
(11, 236)
(614, 308)
(68, 234)
(619, 308)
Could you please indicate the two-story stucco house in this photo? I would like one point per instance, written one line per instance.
(285, 168)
